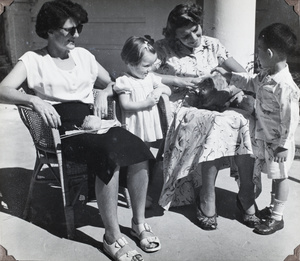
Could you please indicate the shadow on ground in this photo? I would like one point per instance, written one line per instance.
(46, 208)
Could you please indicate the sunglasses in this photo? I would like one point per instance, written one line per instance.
(72, 30)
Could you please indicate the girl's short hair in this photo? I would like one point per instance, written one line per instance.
(279, 37)
(182, 15)
(53, 15)
(134, 49)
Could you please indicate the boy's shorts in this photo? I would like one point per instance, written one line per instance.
(273, 169)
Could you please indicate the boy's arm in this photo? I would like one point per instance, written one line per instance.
(289, 109)
(239, 80)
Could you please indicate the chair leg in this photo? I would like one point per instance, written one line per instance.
(37, 168)
(70, 223)
(127, 196)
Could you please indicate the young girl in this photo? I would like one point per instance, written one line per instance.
(139, 90)
(277, 112)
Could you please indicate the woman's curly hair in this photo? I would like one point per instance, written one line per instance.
(182, 15)
(53, 15)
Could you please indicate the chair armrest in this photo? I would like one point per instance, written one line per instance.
(112, 107)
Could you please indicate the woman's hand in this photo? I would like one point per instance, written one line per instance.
(280, 154)
(47, 112)
(187, 81)
(100, 101)
(100, 104)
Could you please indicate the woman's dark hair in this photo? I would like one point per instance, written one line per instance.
(182, 15)
(279, 37)
(134, 48)
(53, 15)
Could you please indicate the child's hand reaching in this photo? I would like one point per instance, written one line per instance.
(223, 72)
(152, 100)
(280, 154)
(157, 93)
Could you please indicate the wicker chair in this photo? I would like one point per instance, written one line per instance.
(70, 176)
(48, 152)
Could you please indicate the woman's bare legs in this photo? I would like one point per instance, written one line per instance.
(107, 199)
(207, 191)
(246, 192)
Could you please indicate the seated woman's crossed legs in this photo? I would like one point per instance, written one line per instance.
(206, 209)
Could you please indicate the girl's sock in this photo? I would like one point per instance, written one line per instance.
(278, 208)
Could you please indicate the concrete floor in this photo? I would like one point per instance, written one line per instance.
(43, 237)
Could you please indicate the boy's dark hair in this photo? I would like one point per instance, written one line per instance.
(182, 15)
(53, 15)
(134, 48)
(279, 37)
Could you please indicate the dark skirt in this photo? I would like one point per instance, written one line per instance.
(101, 152)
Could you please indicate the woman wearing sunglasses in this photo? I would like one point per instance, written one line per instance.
(62, 78)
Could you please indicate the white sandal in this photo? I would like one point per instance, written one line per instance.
(121, 251)
(138, 229)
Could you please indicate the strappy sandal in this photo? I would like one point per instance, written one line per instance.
(206, 223)
(121, 251)
(145, 242)
(250, 220)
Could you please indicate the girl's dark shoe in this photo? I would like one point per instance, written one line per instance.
(269, 226)
(206, 223)
(265, 213)
(250, 220)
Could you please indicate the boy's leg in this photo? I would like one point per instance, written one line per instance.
(279, 173)
(281, 196)
(267, 211)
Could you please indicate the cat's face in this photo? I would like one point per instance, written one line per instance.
(206, 87)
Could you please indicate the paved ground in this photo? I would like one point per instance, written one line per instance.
(182, 240)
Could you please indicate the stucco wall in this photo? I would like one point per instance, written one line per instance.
(113, 21)
(272, 11)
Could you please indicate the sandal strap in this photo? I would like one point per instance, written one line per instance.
(140, 228)
(145, 241)
(120, 250)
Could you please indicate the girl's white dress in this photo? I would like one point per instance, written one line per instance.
(144, 123)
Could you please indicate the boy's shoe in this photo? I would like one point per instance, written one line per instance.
(269, 226)
(265, 213)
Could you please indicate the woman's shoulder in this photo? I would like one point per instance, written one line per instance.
(80, 51)
(34, 55)
(210, 40)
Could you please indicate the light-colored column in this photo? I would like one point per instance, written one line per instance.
(233, 23)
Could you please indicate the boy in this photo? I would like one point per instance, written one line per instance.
(277, 116)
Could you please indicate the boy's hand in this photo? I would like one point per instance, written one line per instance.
(280, 154)
(223, 72)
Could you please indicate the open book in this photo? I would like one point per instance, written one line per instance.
(105, 126)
